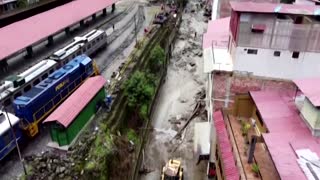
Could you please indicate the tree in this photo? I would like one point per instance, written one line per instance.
(157, 58)
(139, 89)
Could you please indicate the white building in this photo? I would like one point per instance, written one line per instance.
(275, 40)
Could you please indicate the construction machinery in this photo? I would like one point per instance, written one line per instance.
(172, 170)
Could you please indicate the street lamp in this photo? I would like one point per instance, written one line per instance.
(16, 141)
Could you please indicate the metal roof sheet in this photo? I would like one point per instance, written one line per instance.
(17, 36)
(70, 108)
(274, 8)
(215, 43)
(287, 133)
(217, 33)
(229, 164)
(310, 88)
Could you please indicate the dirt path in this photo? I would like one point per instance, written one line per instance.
(176, 101)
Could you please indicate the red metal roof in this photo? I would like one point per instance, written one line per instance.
(274, 8)
(17, 36)
(70, 108)
(217, 33)
(287, 132)
(230, 170)
(310, 88)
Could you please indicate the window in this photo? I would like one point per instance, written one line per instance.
(27, 88)
(258, 28)
(7, 137)
(17, 95)
(252, 51)
(51, 71)
(295, 55)
(276, 53)
(44, 76)
(36, 82)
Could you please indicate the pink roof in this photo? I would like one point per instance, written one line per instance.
(310, 88)
(217, 33)
(274, 8)
(17, 36)
(70, 108)
(230, 170)
(287, 132)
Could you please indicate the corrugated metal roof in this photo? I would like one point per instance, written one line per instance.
(287, 132)
(230, 170)
(19, 35)
(310, 88)
(70, 108)
(274, 8)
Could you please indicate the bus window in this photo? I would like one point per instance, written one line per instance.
(51, 71)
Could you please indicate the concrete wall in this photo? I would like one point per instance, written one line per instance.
(265, 64)
(311, 114)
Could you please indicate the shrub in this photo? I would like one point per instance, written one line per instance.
(132, 136)
(255, 168)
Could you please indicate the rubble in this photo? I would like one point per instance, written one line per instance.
(182, 100)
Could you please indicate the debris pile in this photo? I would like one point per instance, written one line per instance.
(182, 101)
(60, 165)
(82, 162)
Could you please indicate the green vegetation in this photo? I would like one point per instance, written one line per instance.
(144, 111)
(132, 136)
(255, 168)
(157, 58)
(245, 127)
(139, 90)
(100, 156)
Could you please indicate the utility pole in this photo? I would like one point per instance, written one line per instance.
(15, 138)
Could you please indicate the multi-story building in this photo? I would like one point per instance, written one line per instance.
(275, 40)
(281, 139)
(251, 58)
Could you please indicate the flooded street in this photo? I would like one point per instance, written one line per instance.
(176, 101)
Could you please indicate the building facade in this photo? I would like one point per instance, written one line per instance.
(275, 40)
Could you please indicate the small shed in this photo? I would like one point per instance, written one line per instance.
(74, 113)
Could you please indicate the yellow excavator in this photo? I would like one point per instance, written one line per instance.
(172, 170)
